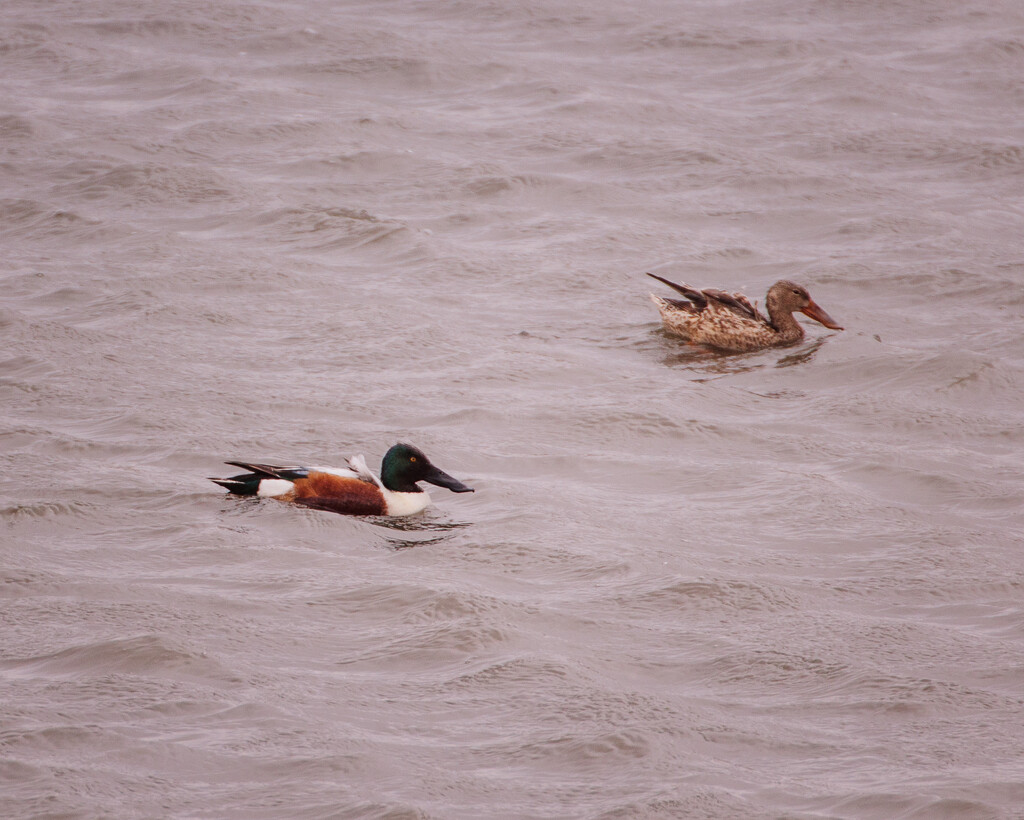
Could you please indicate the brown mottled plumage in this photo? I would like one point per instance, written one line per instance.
(728, 321)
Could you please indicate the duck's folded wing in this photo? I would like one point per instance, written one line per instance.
(363, 472)
(736, 302)
(271, 471)
(695, 295)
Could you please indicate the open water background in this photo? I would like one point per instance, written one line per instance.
(781, 585)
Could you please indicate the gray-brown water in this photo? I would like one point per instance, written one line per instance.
(780, 585)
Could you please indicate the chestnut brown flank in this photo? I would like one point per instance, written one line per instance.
(324, 491)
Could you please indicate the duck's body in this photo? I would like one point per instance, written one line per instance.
(352, 491)
(728, 321)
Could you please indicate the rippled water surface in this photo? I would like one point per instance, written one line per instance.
(786, 584)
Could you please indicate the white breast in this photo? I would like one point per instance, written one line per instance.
(405, 503)
(270, 487)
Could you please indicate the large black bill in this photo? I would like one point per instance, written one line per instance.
(442, 479)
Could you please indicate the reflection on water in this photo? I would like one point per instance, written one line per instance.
(715, 363)
(803, 354)
(421, 530)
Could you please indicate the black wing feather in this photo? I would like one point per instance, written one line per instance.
(270, 471)
(696, 296)
(736, 302)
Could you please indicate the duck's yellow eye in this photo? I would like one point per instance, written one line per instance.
(412, 458)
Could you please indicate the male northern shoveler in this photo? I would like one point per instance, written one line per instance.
(728, 321)
(353, 491)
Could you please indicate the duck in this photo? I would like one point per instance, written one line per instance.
(729, 322)
(352, 490)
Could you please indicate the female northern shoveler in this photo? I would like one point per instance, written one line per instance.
(728, 321)
(353, 491)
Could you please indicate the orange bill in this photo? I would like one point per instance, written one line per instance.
(821, 316)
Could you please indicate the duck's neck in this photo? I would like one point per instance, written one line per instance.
(785, 324)
(399, 485)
